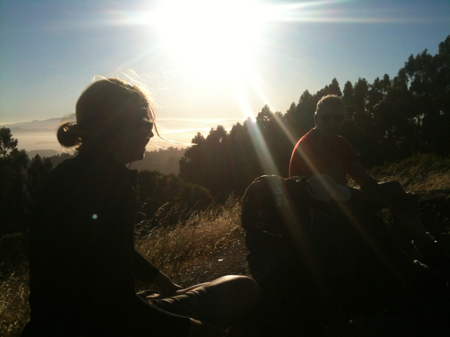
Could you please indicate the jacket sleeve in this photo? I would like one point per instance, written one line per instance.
(144, 270)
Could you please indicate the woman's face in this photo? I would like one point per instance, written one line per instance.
(139, 135)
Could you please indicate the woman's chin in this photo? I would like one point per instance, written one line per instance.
(140, 156)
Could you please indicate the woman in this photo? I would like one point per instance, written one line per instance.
(82, 257)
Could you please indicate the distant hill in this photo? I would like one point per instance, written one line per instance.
(42, 153)
(37, 136)
(47, 124)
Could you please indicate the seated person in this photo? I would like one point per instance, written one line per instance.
(323, 151)
(82, 257)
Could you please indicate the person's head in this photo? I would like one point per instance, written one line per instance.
(330, 114)
(113, 116)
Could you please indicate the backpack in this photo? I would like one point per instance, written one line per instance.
(280, 224)
(290, 245)
(275, 214)
(271, 203)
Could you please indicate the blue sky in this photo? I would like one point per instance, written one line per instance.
(50, 51)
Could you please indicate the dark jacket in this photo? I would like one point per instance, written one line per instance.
(82, 256)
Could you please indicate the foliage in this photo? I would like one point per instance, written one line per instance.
(165, 161)
(419, 172)
(7, 143)
(14, 308)
(213, 162)
(156, 189)
(37, 172)
(20, 179)
(13, 197)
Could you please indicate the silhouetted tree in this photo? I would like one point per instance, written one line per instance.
(7, 142)
(164, 160)
(37, 172)
(13, 194)
(156, 189)
(429, 86)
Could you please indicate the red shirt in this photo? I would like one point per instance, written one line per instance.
(315, 154)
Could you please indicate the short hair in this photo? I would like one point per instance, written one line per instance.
(103, 110)
(330, 101)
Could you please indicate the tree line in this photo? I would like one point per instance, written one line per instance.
(163, 160)
(387, 120)
(20, 180)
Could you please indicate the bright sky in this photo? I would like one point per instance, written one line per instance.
(204, 59)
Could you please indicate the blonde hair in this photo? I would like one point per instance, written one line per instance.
(104, 109)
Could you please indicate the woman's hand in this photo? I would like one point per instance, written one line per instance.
(203, 329)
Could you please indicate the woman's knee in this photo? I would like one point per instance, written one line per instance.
(242, 287)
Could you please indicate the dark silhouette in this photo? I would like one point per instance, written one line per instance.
(82, 257)
(321, 268)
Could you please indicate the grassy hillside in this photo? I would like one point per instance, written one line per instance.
(418, 173)
(208, 245)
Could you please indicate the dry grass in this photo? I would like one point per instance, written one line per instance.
(14, 308)
(421, 172)
(209, 245)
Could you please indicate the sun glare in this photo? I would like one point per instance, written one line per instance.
(211, 38)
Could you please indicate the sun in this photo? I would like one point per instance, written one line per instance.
(210, 37)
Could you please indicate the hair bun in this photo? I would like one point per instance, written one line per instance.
(69, 135)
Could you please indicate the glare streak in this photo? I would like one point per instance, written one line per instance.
(282, 126)
(258, 142)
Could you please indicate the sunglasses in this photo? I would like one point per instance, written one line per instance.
(328, 117)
